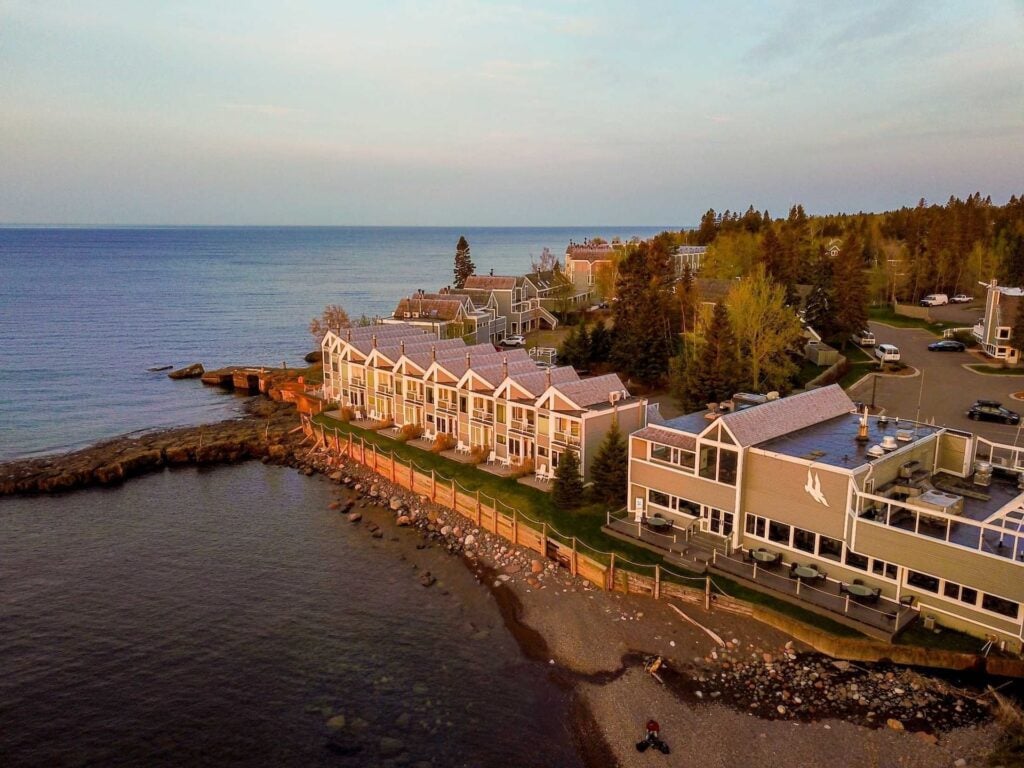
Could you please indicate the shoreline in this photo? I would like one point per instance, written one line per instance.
(595, 641)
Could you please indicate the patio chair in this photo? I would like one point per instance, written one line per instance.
(541, 473)
(907, 601)
(461, 447)
(490, 457)
(505, 462)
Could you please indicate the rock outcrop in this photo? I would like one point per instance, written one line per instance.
(193, 371)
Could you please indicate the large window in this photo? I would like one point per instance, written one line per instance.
(708, 461)
(778, 532)
(999, 605)
(860, 562)
(661, 452)
(727, 467)
(755, 526)
(803, 540)
(659, 498)
(923, 581)
(830, 548)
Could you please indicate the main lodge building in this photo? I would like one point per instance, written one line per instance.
(872, 519)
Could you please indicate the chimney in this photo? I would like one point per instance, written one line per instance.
(433, 353)
(401, 346)
(469, 363)
(349, 335)
(547, 377)
(375, 341)
(862, 431)
(492, 272)
(504, 367)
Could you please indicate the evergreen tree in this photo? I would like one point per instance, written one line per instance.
(568, 490)
(582, 345)
(464, 266)
(609, 470)
(714, 374)
(708, 230)
(818, 312)
(849, 290)
(644, 337)
(1017, 330)
(600, 344)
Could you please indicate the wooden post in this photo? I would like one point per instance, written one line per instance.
(573, 567)
(393, 468)
(455, 497)
(544, 539)
(707, 592)
(375, 452)
(657, 582)
(433, 486)
(477, 507)
(846, 608)
(610, 581)
(515, 527)
(350, 445)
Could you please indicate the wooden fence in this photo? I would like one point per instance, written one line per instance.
(513, 526)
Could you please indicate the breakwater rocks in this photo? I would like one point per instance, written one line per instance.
(264, 432)
(787, 685)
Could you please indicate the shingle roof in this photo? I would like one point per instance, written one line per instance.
(494, 373)
(589, 254)
(779, 417)
(433, 306)
(676, 440)
(585, 392)
(490, 282)
(536, 381)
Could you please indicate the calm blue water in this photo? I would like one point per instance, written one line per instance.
(84, 312)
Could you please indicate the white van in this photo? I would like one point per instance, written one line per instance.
(865, 338)
(887, 353)
(935, 300)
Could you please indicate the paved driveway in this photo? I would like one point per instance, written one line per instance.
(946, 389)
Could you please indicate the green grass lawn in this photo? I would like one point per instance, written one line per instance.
(997, 370)
(887, 316)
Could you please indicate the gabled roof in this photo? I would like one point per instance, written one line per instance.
(536, 382)
(587, 392)
(779, 417)
(492, 374)
(490, 282)
(665, 437)
(432, 306)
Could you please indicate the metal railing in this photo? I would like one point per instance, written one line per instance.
(566, 439)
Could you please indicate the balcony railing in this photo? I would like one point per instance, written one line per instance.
(446, 406)
(518, 425)
(357, 383)
(566, 439)
(480, 415)
(414, 397)
(387, 391)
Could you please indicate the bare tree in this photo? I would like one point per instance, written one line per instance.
(546, 263)
(334, 318)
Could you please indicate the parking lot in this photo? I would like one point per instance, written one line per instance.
(944, 388)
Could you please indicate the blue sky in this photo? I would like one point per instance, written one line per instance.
(517, 113)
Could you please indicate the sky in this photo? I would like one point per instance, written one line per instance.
(446, 113)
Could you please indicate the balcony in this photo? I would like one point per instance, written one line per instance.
(564, 438)
(357, 383)
(414, 397)
(385, 391)
(485, 416)
(518, 425)
(447, 406)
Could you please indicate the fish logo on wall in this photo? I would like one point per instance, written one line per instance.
(813, 487)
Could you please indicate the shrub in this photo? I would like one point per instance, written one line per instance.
(409, 432)
(443, 442)
(966, 338)
(479, 454)
(523, 469)
(347, 413)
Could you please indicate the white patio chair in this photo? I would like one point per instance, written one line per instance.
(461, 448)
(490, 457)
(504, 461)
(541, 473)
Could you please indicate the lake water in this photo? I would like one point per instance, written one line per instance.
(85, 312)
(222, 617)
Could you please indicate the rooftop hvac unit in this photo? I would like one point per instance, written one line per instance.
(904, 435)
(876, 451)
(889, 443)
(613, 397)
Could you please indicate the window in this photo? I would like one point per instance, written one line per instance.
(1003, 333)
(999, 605)
(499, 412)
(499, 439)
(803, 540)
(708, 461)
(462, 403)
(661, 452)
(542, 451)
(727, 467)
(856, 561)
(659, 498)
(688, 507)
(882, 568)
(955, 591)
(430, 418)
(923, 581)
(430, 394)
(755, 525)
(686, 459)
(778, 532)
(830, 548)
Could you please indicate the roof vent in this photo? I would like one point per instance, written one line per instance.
(904, 435)
(889, 443)
(876, 451)
(613, 397)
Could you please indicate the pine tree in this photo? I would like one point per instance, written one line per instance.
(582, 345)
(609, 469)
(644, 340)
(818, 313)
(568, 490)
(600, 344)
(569, 349)
(849, 290)
(715, 374)
(464, 266)
(1017, 330)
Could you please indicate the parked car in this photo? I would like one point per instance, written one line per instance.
(513, 341)
(888, 353)
(947, 345)
(962, 298)
(864, 338)
(935, 300)
(991, 410)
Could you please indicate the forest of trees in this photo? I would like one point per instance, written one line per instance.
(905, 253)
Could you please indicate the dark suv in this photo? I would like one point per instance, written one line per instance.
(990, 410)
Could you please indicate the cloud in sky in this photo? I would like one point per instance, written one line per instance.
(461, 112)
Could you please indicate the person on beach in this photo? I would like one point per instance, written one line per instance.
(653, 738)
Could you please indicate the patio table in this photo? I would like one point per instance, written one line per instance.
(764, 556)
(658, 524)
(805, 572)
(860, 590)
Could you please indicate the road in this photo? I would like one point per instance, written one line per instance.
(946, 389)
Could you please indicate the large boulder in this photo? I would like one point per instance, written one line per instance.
(193, 371)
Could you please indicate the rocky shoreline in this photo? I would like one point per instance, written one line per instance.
(263, 432)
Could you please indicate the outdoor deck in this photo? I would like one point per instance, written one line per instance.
(879, 617)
